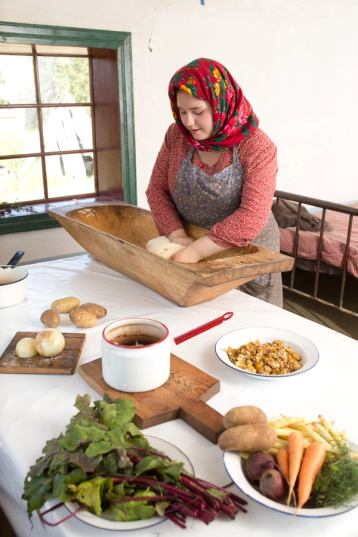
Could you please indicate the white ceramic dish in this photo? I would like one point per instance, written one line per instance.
(173, 453)
(13, 289)
(233, 465)
(298, 343)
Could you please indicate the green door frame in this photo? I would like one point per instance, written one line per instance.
(13, 32)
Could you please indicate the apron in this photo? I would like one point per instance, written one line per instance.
(203, 200)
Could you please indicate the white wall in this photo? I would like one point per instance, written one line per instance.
(295, 59)
(39, 244)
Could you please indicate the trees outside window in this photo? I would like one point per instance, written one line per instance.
(66, 115)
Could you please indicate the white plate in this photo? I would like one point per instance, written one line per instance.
(173, 453)
(298, 343)
(234, 468)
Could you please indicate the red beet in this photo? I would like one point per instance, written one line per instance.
(257, 463)
(273, 485)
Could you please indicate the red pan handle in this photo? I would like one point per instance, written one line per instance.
(203, 327)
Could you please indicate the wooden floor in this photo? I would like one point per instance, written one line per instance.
(320, 313)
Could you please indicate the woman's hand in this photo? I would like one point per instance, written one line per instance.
(187, 255)
(203, 247)
(180, 237)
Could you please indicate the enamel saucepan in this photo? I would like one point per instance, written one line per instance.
(13, 288)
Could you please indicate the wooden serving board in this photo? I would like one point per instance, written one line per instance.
(64, 363)
(183, 396)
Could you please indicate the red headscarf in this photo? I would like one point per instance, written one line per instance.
(210, 81)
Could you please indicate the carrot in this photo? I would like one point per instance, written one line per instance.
(295, 454)
(282, 461)
(312, 463)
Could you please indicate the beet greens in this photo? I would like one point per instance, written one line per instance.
(105, 463)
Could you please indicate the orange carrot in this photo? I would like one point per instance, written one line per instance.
(282, 461)
(295, 454)
(312, 462)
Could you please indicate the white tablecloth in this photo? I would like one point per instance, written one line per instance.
(35, 408)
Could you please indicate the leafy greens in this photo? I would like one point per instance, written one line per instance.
(106, 464)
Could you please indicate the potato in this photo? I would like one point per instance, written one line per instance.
(65, 305)
(49, 342)
(96, 309)
(50, 318)
(240, 415)
(25, 347)
(249, 437)
(83, 318)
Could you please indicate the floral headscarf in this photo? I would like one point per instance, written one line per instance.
(210, 81)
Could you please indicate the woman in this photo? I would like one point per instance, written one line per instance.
(216, 169)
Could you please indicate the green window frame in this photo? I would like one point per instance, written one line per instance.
(11, 32)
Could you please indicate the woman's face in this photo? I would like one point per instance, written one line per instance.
(196, 115)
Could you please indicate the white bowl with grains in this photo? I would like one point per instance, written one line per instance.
(267, 353)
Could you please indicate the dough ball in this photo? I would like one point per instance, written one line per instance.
(65, 305)
(83, 318)
(163, 247)
(170, 250)
(26, 347)
(157, 244)
(96, 309)
(50, 318)
(49, 342)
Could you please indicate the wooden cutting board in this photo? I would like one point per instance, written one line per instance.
(64, 363)
(183, 396)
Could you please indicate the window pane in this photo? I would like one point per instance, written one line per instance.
(15, 48)
(67, 128)
(21, 179)
(17, 83)
(19, 132)
(69, 175)
(66, 51)
(64, 80)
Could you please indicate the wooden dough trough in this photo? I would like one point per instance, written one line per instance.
(116, 233)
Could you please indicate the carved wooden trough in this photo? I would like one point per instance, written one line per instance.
(116, 233)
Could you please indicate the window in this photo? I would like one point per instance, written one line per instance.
(67, 127)
(47, 142)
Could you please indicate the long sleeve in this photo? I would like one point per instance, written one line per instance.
(257, 156)
(158, 193)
